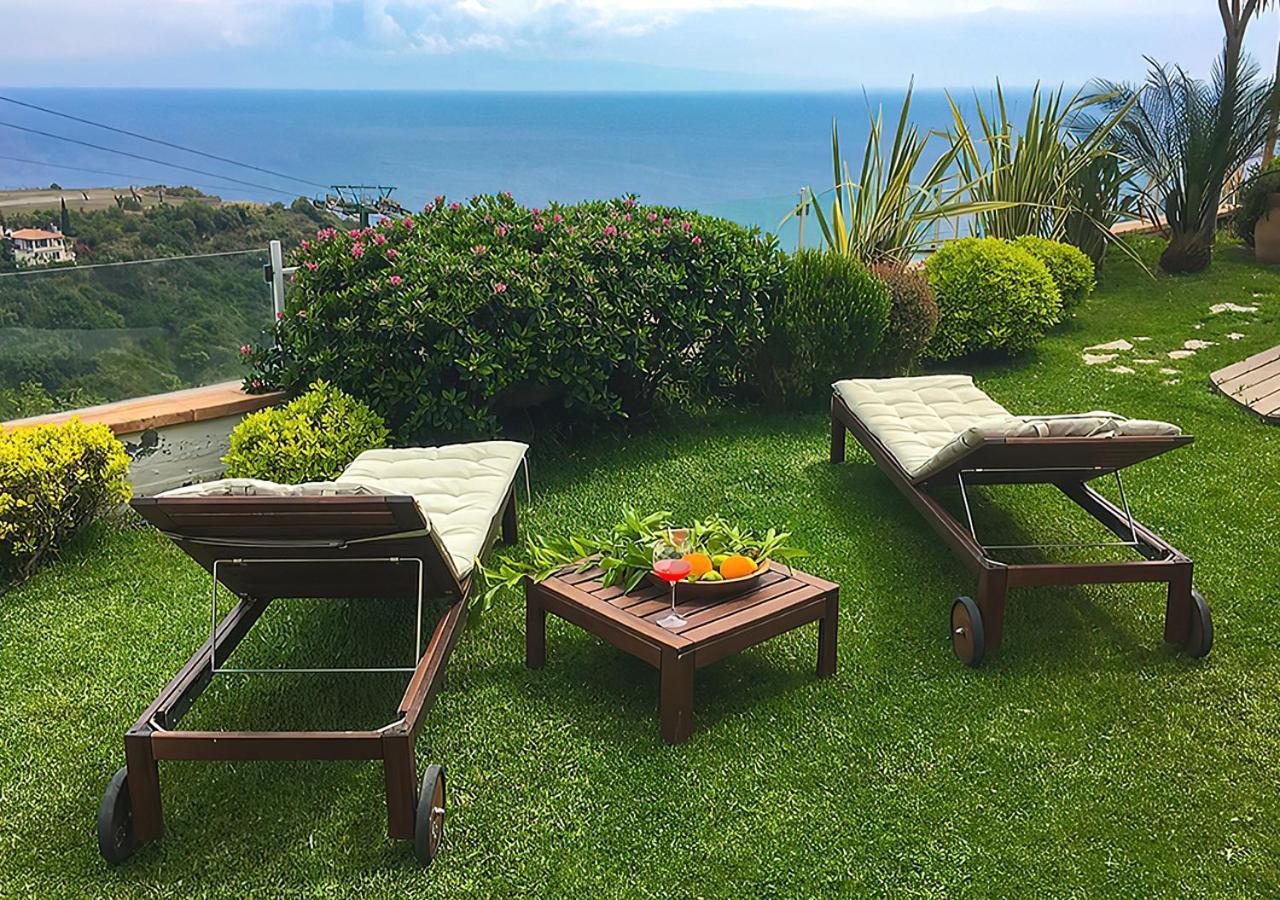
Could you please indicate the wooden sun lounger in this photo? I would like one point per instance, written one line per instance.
(1068, 463)
(263, 548)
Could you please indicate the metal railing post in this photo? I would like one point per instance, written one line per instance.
(277, 278)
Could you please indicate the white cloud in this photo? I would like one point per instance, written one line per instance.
(95, 29)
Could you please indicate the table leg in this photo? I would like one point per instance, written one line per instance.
(827, 626)
(535, 631)
(677, 697)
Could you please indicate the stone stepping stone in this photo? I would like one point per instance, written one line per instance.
(1180, 354)
(1097, 359)
(1233, 307)
(1195, 344)
(1121, 344)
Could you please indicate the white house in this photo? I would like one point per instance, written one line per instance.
(37, 247)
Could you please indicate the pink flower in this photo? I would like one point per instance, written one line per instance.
(506, 194)
(657, 230)
(279, 316)
(255, 384)
(408, 222)
(367, 230)
(353, 233)
(696, 240)
(568, 229)
(686, 226)
(455, 205)
(379, 239)
(292, 277)
(478, 249)
(502, 230)
(311, 267)
(439, 199)
(499, 288)
(557, 218)
(395, 280)
(610, 230)
(539, 227)
(536, 212)
(244, 349)
(392, 253)
(304, 245)
(357, 250)
(652, 217)
(666, 223)
(630, 202)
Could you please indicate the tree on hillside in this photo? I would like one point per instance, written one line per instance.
(65, 220)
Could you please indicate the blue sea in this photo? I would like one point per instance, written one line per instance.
(741, 155)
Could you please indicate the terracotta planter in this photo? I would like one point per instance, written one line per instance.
(1266, 233)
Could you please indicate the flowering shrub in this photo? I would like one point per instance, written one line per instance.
(54, 479)
(311, 438)
(443, 321)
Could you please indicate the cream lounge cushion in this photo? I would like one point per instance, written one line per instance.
(459, 488)
(927, 422)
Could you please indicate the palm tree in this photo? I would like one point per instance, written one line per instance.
(1188, 135)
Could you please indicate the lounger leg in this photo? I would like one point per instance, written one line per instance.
(993, 583)
(837, 436)
(677, 697)
(400, 773)
(509, 530)
(144, 786)
(827, 626)
(535, 631)
(1177, 609)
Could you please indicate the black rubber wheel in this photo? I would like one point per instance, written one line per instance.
(428, 826)
(968, 639)
(1200, 634)
(116, 841)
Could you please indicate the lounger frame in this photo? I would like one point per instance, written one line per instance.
(312, 546)
(1068, 463)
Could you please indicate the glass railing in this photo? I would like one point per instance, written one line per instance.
(94, 333)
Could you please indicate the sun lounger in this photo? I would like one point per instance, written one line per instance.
(938, 431)
(405, 523)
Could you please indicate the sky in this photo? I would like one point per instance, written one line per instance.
(604, 44)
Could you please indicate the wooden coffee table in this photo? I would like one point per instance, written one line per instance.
(779, 603)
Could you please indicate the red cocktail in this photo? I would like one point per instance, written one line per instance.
(670, 565)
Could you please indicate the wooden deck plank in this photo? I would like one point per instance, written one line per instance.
(1254, 383)
(215, 401)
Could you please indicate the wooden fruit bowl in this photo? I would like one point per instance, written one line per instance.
(710, 591)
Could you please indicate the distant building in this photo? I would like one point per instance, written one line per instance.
(38, 247)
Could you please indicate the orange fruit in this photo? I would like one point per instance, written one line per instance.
(737, 567)
(699, 564)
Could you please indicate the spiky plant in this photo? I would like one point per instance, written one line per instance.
(1188, 136)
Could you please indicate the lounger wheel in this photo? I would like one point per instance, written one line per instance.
(1200, 634)
(968, 639)
(116, 840)
(428, 829)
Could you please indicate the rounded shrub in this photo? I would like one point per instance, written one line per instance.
(992, 296)
(1251, 201)
(449, 320)
(1070, 268)
(54, 479)
(913, 318)
(824, 326)
(311, 438)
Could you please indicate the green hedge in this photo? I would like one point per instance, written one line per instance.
(447, 320)
(54, 479)
(1071, 270)
(311, 438)
(992, 296)
(825, 326)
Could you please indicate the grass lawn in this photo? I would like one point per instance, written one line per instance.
(1083, 759)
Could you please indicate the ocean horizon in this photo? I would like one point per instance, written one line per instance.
(744, 156)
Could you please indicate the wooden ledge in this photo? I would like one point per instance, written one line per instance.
(200, 404)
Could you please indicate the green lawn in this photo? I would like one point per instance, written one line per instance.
(1083, 759)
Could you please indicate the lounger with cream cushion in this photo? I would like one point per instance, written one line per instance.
(406, 523)
(933, 431)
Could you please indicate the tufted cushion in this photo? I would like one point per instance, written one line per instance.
(459, 488)
(928, 422)
(253, 487)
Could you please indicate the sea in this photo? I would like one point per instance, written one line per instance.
(745, 156)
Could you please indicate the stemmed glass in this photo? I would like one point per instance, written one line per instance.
(670, 565)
